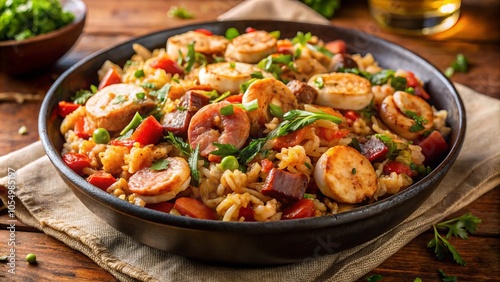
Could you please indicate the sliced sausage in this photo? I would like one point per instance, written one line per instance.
(284, 186)
(304, 93)
(115, 105)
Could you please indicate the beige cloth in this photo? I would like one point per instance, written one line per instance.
(45, 202)
(275, 10)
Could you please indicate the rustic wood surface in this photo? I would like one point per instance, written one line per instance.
(476, 35)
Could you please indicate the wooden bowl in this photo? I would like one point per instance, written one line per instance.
(38, 53)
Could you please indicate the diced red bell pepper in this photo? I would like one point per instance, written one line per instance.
(301, 209)
(246, 213)
(101, 179)
(399, 168)
(167, 65)
(79, 128)
(204, 31)
(266, 165)
(351, 116)
(433, 146)
(111, 77)
(122, 142)
(411, 81)
(374, 149)
(235, 98)
(77, 162)
(285, 47)
(336, 46)
(250, 29)
(65, 108)
(193, 208)
(148, 132)
(163, 207)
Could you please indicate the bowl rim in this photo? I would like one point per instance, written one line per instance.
(363, 212)
(80, 14)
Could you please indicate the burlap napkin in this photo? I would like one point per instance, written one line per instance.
(45, 202)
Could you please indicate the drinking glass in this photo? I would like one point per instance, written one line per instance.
(421, 17)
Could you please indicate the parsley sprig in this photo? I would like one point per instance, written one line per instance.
(459, 227)
(292, 121)
(193, 155)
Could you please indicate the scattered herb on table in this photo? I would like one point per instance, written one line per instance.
(459, 227)
(179, 12)
(374, 278)
(459, 65)
(446, 278)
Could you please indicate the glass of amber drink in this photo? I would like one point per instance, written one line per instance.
(419, 17)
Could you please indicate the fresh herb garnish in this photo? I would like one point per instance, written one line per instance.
(374, 278)
(257, 74)
(393, 151)
(302, 38)
(292, 121)
(419, 121)
(459, 65)
(227, 110)
(179, 12)
(193, 165)
(178, 143)
(160, 165)
(326, 8)
(398, 83)
(220, 97)
(319, 82)
(119, 99)
(459, 227)
(276, 34)
(190, 57)
(446, 278)
(251, 106)
(225, 150)
(148, 85)
(244, 86)
(82, 95)
(162, 93)
(276, 110)
(140, 96)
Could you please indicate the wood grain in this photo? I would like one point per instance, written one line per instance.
(476, 35)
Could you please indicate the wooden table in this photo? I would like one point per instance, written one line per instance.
(476, 35)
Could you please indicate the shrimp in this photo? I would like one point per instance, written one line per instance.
(251, 47)
(208, 125)
(205, 44)
(227, 76)
(267, 91)
(345, 175)
(155, 186)
(395, 111)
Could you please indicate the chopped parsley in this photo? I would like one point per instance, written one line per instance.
(227, 110)
(319, 82)
(82, 95)
(160, 165)
(180, 13)
(419, 121)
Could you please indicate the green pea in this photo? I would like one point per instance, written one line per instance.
(229, 162)
(101, 136)
(31, 258)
